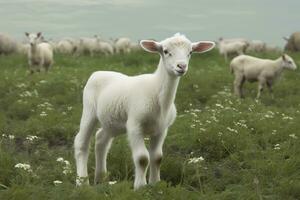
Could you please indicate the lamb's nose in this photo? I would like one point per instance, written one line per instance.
(181, 66)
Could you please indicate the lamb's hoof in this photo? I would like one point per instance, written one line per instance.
(82, 181)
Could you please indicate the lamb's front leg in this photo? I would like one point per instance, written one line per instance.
(139, 153)
(156, 154)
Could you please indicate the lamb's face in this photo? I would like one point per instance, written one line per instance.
(288, 62)
(176, 52)
(33, 38)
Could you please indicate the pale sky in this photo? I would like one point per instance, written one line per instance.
(267, 20)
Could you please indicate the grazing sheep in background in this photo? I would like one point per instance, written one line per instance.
(139, 105)
(135, 47)
(262, 70)
(229, 40)
(122, 45)
(7, 44)
(106, 48)
(293, 42)
(40, 55)
(256, 46)
(66, 46)
(236, 47)
(89, 45)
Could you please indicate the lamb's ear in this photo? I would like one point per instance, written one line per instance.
(27, 34)
(283, 57)
(286, 38)
(151, 46)
(39, 34)
(202, 46)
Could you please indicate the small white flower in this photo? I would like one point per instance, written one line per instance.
(60, 159)
(112, 182)
(277, 146)
(57, 182)
(67, 162)
(23, 166)
(232, 130)
(195, 160)
(219, 105)
(43, 114)
(293, 136)
(69, 108)
(31, 137)
(11, 137)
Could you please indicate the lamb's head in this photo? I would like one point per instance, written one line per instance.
(288, 62)
(33, 38)
(176, 52)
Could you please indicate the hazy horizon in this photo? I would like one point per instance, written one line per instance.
(265, 20)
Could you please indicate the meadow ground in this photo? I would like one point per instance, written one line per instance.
(250, 148)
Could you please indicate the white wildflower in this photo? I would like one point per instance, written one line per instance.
(293, 136)
(112, 182)
(232, 130)
(31, 137)
(277, 146)
(219, 105)
(60, 159)
(195, 160)
(57, 182)
(24, 166)
(11, 137)
(43, 114)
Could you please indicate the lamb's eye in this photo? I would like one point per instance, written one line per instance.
(190, 53)
(290, 62)
(166, 52)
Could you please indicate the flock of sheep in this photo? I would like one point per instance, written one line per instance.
(144, 104)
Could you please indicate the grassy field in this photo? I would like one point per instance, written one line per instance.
(250, 148)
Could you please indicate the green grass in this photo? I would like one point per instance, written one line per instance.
(250, 148)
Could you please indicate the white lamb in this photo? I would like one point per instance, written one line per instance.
(106, 48)
(66, 46)
(7, 44)
(236, 47)
(139, 105)
(123, 45)
(256, 46)
(89, 45)
(264, 71)
(40, 55)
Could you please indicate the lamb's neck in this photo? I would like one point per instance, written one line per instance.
(278, 66)
(33, 48)
(167, 87)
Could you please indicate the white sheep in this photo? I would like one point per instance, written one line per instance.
(139, 105)
(123, 45)
(40, 55)
(106, 48)
(232, 47)
(89, 45)
(256, 46)
(66, 46)
(264, 71)
(7, 44)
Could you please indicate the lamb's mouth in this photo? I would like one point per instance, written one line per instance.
(180, 72)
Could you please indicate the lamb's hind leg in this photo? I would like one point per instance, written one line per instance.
(261, 84)
(81, 143)
(102, 145)
(156, 154)
(269, 84)
(238, 84)
(139, 153)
